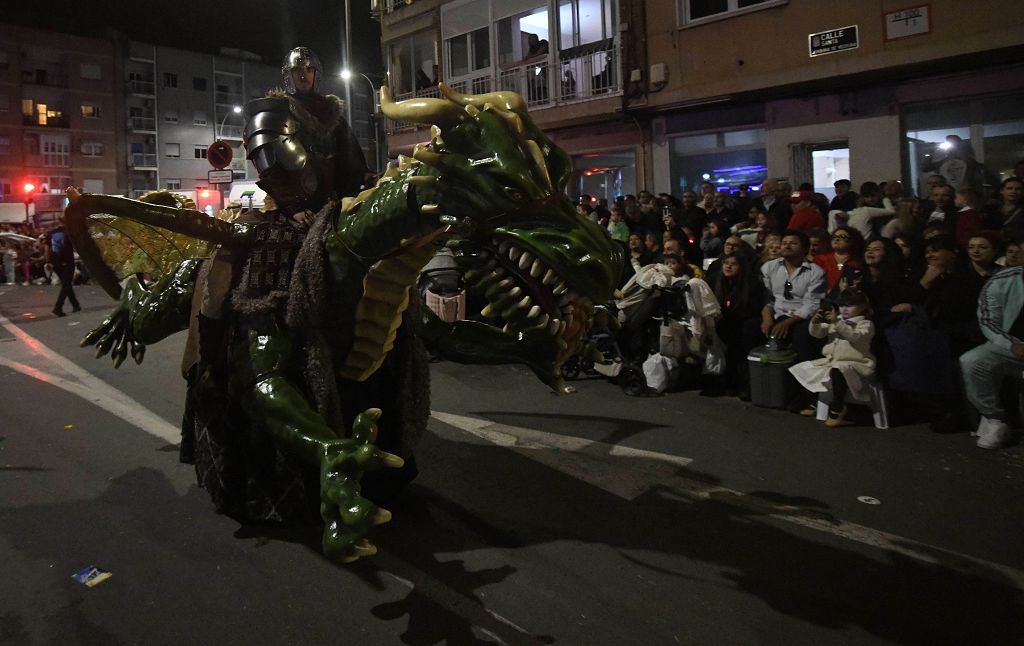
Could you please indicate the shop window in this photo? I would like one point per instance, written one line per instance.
(726, 159)
(700, 10)
(972, 143)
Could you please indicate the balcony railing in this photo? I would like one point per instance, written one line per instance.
(228, 98)
(230, 132)
(51, 122)
(145, 124)
(142, 160)
(141, 87)
(588, 73)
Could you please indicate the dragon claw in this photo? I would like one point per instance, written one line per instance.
(382, 516)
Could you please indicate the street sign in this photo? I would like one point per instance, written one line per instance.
(832, 41)
(219, 176)
(219, 154)
(913, 21)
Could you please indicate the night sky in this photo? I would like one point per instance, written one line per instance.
(267, 27)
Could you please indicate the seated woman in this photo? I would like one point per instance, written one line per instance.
(845, 259)
(982, 249)
(741, 296)
(771, 249)
(943, 325)
(846, 360)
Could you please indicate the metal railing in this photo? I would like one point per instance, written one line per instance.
(142, 123)
(51, 122)
(228, 98)
(142, 160)
(587, 76)
(141, 87)
(230, 132)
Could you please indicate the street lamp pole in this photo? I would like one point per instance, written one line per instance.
(234, 110)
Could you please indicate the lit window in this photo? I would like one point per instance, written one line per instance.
(90, 111)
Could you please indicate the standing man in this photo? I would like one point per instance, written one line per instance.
(61, 255)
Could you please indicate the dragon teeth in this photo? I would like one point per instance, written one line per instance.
(525, 260)
(515, 292)
(534, 311)
(549, 277)
(513, 253)
(523, 304)
(498, 272)
(487, 311)
(560, 289)
(542, 322)
(537, 269)
(506, 329)
(502, 246)
(505, 284)
(554, 326)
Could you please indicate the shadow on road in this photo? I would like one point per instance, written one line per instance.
(891, 596)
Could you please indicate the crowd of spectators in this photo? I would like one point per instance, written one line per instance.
(779, 258)
(23, 249)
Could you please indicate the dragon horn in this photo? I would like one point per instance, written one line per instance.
(507, 100)
(421, 110)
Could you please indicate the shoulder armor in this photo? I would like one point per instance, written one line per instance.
(270, 136)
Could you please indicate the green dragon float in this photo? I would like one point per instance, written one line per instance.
(305, 379)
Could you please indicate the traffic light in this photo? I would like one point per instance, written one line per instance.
(29, 188)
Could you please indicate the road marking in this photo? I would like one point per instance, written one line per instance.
(596, 463)
(68, 376)
(667, 479)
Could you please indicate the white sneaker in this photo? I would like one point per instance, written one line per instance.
(993, 433)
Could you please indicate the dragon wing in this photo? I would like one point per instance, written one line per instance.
(116, 237)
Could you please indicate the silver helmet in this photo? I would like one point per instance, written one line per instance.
(298, 58)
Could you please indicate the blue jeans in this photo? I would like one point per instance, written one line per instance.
(984, 369)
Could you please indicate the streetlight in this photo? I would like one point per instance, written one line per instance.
(237, 109)
(346, 75)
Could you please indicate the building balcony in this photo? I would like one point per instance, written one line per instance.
(142, 124)
(51, 122)
(228, 98)
(230, 132)
(586, 73)
(144, 88)
(142, 161)
(46, 78)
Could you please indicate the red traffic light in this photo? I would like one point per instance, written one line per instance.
(204, 193)
(29, 187)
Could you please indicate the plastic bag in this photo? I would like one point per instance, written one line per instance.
(714, 360)
(660, 372)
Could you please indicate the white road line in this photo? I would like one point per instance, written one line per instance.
(66, 375)
(667, 479)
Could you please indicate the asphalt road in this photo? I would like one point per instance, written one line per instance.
(590, 519)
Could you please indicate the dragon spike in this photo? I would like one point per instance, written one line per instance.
(422, 154)
(424, 111)
(538, 159)
(513, 120)
(472, 110)
(507, 100)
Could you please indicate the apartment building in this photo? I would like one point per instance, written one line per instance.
(177, 103)
(562, 56)
(60, 109)
(665, 95)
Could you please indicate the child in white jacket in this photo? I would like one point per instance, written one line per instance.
(847, 359)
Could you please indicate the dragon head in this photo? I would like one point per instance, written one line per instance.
(499, 183)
